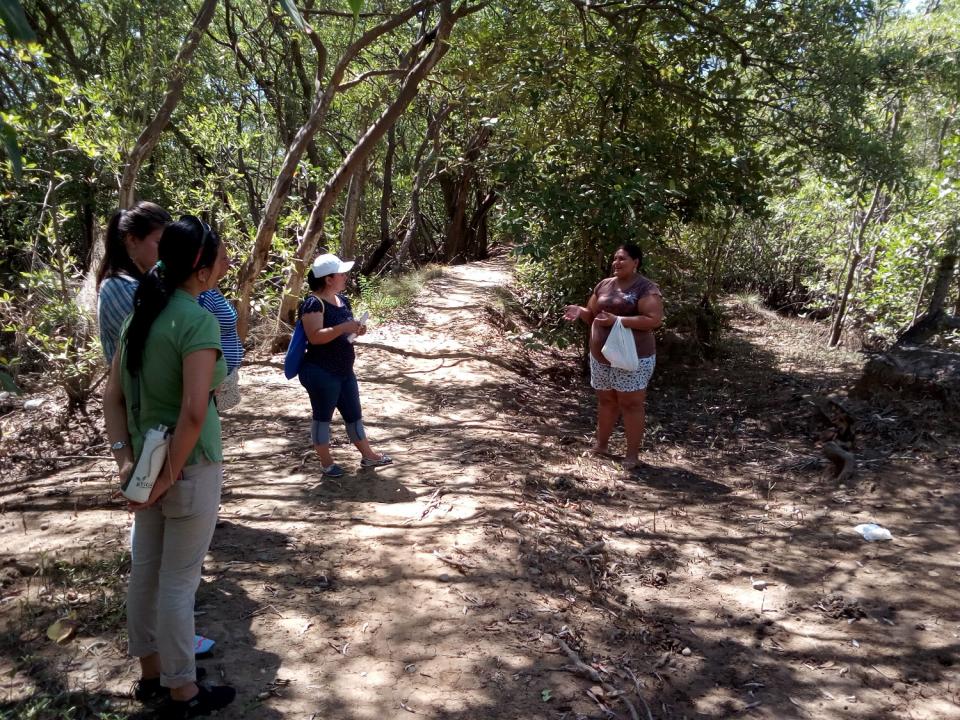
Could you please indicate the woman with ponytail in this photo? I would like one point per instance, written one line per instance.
(169, 360)
(132, 238)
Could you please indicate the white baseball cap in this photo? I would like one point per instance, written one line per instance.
(330, 264)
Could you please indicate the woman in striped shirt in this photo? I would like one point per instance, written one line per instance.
(227, 394)
(132, 239)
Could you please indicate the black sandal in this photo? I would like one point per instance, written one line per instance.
(206, 701)
(149, 690)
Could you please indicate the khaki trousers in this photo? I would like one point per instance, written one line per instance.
(169, 543)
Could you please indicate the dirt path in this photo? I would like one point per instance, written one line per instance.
(360, 585)
(437, 587)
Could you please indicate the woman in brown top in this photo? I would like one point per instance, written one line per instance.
(639, 305)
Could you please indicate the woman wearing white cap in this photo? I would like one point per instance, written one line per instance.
(327, 368)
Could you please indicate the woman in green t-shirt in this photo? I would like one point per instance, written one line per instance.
(168, 362)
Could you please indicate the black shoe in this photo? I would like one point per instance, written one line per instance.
(206, 701)
(150, 691)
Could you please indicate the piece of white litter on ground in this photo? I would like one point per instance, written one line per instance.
(872, 532)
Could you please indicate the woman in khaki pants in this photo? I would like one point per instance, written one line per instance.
(168, 362)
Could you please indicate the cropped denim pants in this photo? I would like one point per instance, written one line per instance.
(328, 392)
(170, 540)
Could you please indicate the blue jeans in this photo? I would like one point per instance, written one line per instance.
(329, 391)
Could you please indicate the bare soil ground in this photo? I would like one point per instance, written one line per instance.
(494, 571)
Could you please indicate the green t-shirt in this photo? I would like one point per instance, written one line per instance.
(181, 328)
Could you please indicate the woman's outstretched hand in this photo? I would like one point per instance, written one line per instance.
(572, 312)
(605, 319)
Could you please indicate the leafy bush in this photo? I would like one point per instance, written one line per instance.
(52, 334)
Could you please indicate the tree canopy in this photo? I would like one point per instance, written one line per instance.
(805, 151)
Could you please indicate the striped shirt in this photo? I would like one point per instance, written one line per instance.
(114, 303)
(216, 303)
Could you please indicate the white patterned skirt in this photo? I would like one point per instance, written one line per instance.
(607, 377)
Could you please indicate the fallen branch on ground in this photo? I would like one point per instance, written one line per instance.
(844, 463)
(594, 549)
(461, 566)
(434, 502)
(588, 672)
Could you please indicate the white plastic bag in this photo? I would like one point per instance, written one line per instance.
(620, 348)
(872, 532)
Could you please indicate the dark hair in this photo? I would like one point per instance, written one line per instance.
(139, 221)
(317, 283)
(186, 246)
(634, 251)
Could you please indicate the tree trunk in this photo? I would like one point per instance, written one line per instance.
(935, 319)
(923, 288)
(856, 256)
(378, 254)
(956, 305)
(251, 268)
(479, 225)
(407, 92)
(457, 191)
(351, 212)
(386, 196)
(177, 78)
(423, 166)
(851, 232)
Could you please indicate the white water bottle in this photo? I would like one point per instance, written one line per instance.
(363, 321)
(144, 475)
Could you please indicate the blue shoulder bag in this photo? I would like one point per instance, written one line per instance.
(296, 350)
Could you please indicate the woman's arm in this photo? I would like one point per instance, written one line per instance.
(115, 419)
(317, 334)
(578, 312)
(198, 370)
(650, 314)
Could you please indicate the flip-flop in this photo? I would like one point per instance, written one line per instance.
(202, 644)
(333, 471)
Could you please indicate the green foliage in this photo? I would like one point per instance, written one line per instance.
(663, 128)
(9, 136)
(735, 142)
(385, 297)
(356, 6)
(798, 256)
(63, 706)
(52, 333)
(15, 22)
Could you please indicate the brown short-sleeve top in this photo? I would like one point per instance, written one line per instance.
(623, 302)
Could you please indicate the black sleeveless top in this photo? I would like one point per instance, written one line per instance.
(336, 356)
